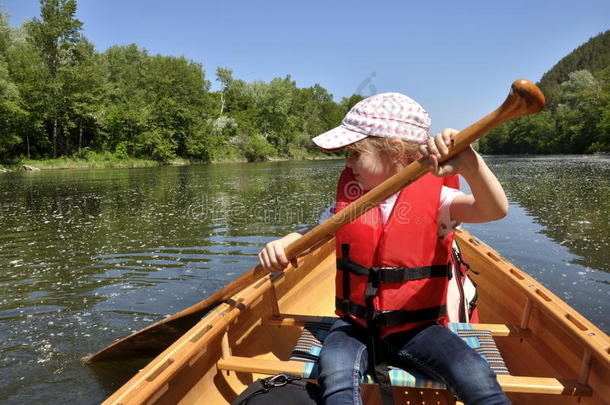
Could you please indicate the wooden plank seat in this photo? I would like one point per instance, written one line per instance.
(303, 361)
(509, 383)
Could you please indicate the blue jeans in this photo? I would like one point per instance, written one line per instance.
(432, 350)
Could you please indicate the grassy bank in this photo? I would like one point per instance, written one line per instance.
(85, 163)
(108, 160)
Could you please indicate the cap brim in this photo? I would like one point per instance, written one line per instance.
(337, 138)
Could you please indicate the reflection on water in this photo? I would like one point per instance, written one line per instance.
(87, 256)
(569, 198)
(558, 226)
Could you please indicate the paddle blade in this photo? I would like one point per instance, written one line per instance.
(150, 341)
(157, 337)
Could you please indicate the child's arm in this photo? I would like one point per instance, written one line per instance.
(488, 201)
(273, 258)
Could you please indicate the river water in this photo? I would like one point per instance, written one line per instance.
(88, 256)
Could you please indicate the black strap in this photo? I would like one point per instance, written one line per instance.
(370, 292)
(380, 369)
(340, 264)
(391, 274)
(464, 316)
(402, 274)
(473, 303)
(457, 256)
(457, 261)
(257, 387)
(346, 265)
(400, 317)
(392, 318)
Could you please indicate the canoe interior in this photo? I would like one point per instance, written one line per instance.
(559, 338)
(560, 343)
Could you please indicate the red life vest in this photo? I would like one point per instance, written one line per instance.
(393, 277)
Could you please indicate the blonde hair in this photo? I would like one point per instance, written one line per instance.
(399, 153)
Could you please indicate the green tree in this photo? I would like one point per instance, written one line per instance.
(11, 113)
(175, 93)
(579, 111)
(56, 36)
(30, 76)
(579, 88)
(10, 100)
(124, 113)
(225, 77)
(601, 140)
(5, 32)
(86, 90)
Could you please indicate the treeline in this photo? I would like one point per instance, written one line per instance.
(59, 97)
(576, 118)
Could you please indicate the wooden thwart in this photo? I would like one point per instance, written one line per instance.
(509, 383)
(499, 330)
(261, 366)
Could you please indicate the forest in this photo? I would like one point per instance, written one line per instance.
(62, 98)
(59, 97)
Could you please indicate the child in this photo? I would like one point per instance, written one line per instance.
(392, 261)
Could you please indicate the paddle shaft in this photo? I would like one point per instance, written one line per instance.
(524, 98)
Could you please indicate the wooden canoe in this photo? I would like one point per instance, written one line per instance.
(554, 354)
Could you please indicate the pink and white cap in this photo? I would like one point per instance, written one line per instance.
(386, 115)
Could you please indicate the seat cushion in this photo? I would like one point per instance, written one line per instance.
(310, 343)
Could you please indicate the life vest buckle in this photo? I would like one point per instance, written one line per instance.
(374, 276)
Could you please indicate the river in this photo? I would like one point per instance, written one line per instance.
(88, 256)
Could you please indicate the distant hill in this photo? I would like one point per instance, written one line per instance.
(576, 118)
(593, 55)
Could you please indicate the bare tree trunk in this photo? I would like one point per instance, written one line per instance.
(66, 141)
(80, 135)
(55, 137)
(27, 141)
(222, 103)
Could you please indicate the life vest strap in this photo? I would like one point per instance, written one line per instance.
(400, 317)
(393, 274)
(391, 318)
(346, 283)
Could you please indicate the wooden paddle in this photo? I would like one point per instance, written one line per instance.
(524, 98)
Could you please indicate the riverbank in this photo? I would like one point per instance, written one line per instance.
(65, 163)
(79, 163)
(114, 162)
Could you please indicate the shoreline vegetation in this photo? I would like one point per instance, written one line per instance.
(68, 163)
(63, 104)
(109, 161)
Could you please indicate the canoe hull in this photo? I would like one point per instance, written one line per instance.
(556, 340)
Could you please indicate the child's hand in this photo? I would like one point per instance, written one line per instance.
(437, 147)
(273, 258)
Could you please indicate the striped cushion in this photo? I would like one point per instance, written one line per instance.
(310, 343)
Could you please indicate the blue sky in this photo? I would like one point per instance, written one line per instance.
(456, 58)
